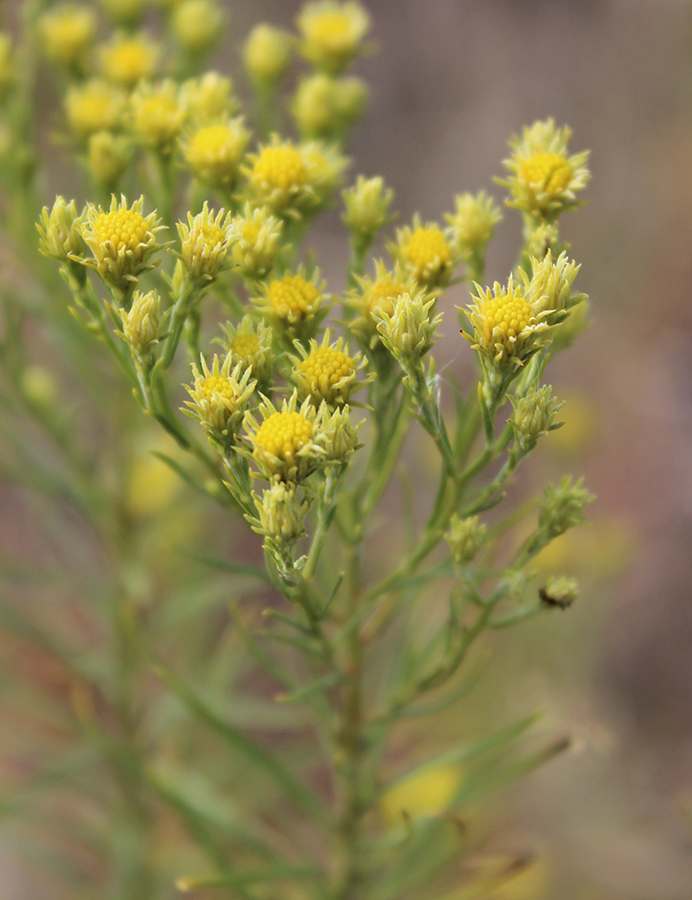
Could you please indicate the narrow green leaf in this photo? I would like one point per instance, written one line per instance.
(226, 565)
(317, 687)
(242, 879)
(300, 794)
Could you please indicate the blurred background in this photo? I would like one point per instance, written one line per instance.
(450, 82)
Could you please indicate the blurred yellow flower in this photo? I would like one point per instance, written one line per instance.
(423, 795)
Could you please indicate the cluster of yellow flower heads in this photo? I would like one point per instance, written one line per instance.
(122, 101)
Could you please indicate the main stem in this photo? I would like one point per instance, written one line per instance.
(349, 873)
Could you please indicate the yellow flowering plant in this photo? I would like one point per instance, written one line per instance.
(221, 751)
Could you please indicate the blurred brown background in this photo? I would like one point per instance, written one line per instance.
(450, 82)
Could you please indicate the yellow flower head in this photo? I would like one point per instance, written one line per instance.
(108, 155)
(278, 178)
(266, 54)
(544, 179)
(122, 240)
(287, 445)
(127, 60)
(258, 235)
(197, 24)
(409, 331)
(506, 325)
(94, 106)
(205, 241)
(157, 114)
(251, 347)
(66, 32)
(293, 304)
(219, 398)
(326, 372)
(332, 33)
(325, 169)
(550, 286)
(209, 97)
(423, 794)
(213, 152)
(425, 251)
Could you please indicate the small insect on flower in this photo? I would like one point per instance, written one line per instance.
(327, 373)
(332, 33)
(205, 242)
(426, 252)
(122, 242)
(127, 60)
(213, 151)
(94, 106)
(294, 305)
(544, 180)
(67, 31)
(219, 398)
(289, 444)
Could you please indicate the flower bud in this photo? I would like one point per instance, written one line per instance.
(197, 24)
(563, 507)
(141, 325)
(258, 235)
(326, 107)
(219, 398)
(266, 54)
(332, 33)
(367, 205)
(281, 515)
(60, 230)
(473, 223)
(559, 592)
(108, 155)
(465, 538)
(66, 32)
(206, 240)
(158, 114)
(409, 331)
(124, 12)
(534, 416)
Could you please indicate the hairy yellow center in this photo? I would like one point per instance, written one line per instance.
(124, 228)
(331, 28)
(245, 346)
(505, 318)
(550, 171)
(324, 368)
(284, 434)
(381, 295)
(428, 247)
(209, 236)
(216, 384)
(292, 297)
(280, 167)
(129, 61)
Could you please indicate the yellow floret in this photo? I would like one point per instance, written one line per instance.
(280, 167)
(216, 384)
(505, 318)
(245, 346)
(126, 229)
(284, 435)
(292, 297)
(324, 368)
(551, 171)
(427, 248)
(129, 61)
